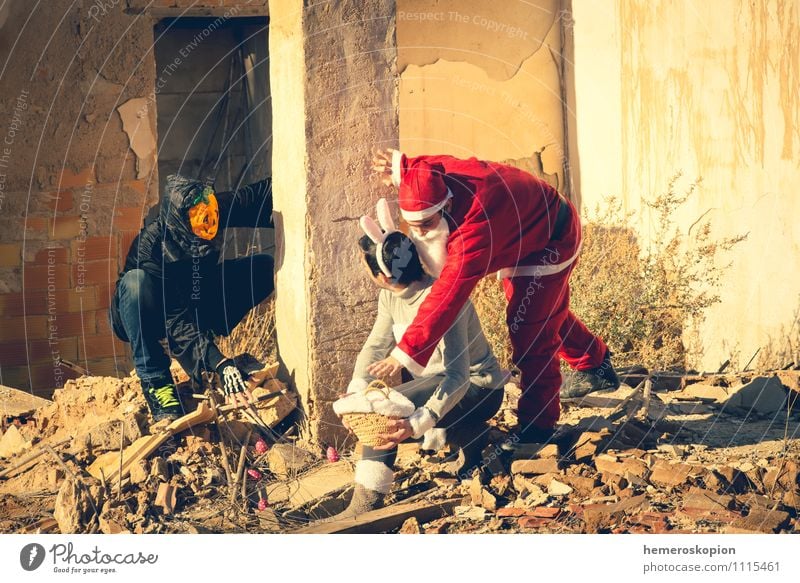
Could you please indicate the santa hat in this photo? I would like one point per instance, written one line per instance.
(422, 191)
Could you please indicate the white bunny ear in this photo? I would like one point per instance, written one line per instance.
(371, 228)
(385, 216)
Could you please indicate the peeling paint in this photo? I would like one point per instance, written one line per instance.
(497, 37)
(460, 109)
(137, 125)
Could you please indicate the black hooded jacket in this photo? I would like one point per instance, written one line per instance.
(167, 249)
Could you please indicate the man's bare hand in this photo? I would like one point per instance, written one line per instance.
(398, 431)
(384, 368)
(382, 165)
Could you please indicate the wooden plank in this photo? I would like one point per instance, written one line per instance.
(140, 449)
(30, 460)
(312, 485)
(384, 519)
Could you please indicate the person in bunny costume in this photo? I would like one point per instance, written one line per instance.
(453, 396)
(471, 218)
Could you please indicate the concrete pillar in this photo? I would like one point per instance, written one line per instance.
(334, 98)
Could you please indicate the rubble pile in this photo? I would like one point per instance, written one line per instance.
(664, 453)
(61, 469)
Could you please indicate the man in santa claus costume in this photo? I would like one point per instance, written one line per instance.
(471, 218)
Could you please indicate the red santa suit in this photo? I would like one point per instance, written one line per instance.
(502, 220)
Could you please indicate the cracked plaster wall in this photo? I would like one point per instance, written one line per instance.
(710, 90)
(483, 79)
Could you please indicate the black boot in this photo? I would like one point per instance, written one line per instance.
(529, 433)
(580, 383)
(467, 442)
(163, 402)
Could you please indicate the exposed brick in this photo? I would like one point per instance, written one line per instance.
(23, 328)
(59, 255)
(72, 324)
(109, 367)
(66, 227)
(139, 186)
(42, 276)
(38, 226)
(15, 353)
(69, 179)
(104, 294)
(94, 248)
(101, 346)
(129, 218)
(60, 201)
(10, 255)
(103, 324)
(40, 301)
(103, 272)
(42, 350)
(42, 378)
(125, 241)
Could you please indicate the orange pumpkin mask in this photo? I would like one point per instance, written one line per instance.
(204, 214)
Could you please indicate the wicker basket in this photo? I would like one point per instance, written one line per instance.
(369, 426)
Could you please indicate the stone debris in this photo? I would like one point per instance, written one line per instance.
(13, 442)
(619, 463)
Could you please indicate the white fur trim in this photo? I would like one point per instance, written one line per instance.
(424, 214)
(413, 367)
(395, 404)
(421, 421)
(397, 155)
(373, 475)
(538, 270)
(357, 385)
(434, 439)
(381, 263)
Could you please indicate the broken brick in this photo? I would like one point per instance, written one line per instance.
(535, 467)
(762, 520)
(671, 475)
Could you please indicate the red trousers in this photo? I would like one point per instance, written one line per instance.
(542, 330)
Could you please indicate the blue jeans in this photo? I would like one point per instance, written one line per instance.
(237, 286)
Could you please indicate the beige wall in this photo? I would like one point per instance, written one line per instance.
(709, 89)
(482, 78)
(334, 93)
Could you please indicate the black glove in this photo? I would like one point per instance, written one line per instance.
(231, 377)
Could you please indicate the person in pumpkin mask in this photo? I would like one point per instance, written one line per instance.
(174, 285)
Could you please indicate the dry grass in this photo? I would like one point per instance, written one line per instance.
(643, 300)
(254, 335)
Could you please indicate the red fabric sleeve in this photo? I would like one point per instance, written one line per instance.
(468, 259)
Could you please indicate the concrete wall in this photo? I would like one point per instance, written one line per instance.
(78, 172)
(482, 78)
(333, 74)
(709, 89)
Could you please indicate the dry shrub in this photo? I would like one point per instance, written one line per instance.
(645, 300)
(642, 299)
(254, 335)
(490, 303)
(782, 350)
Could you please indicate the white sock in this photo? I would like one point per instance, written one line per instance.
(375, 476)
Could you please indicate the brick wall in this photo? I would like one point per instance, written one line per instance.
(73, 193)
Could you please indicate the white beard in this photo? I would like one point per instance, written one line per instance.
(432, 247)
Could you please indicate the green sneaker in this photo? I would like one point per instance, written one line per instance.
(163, 402)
